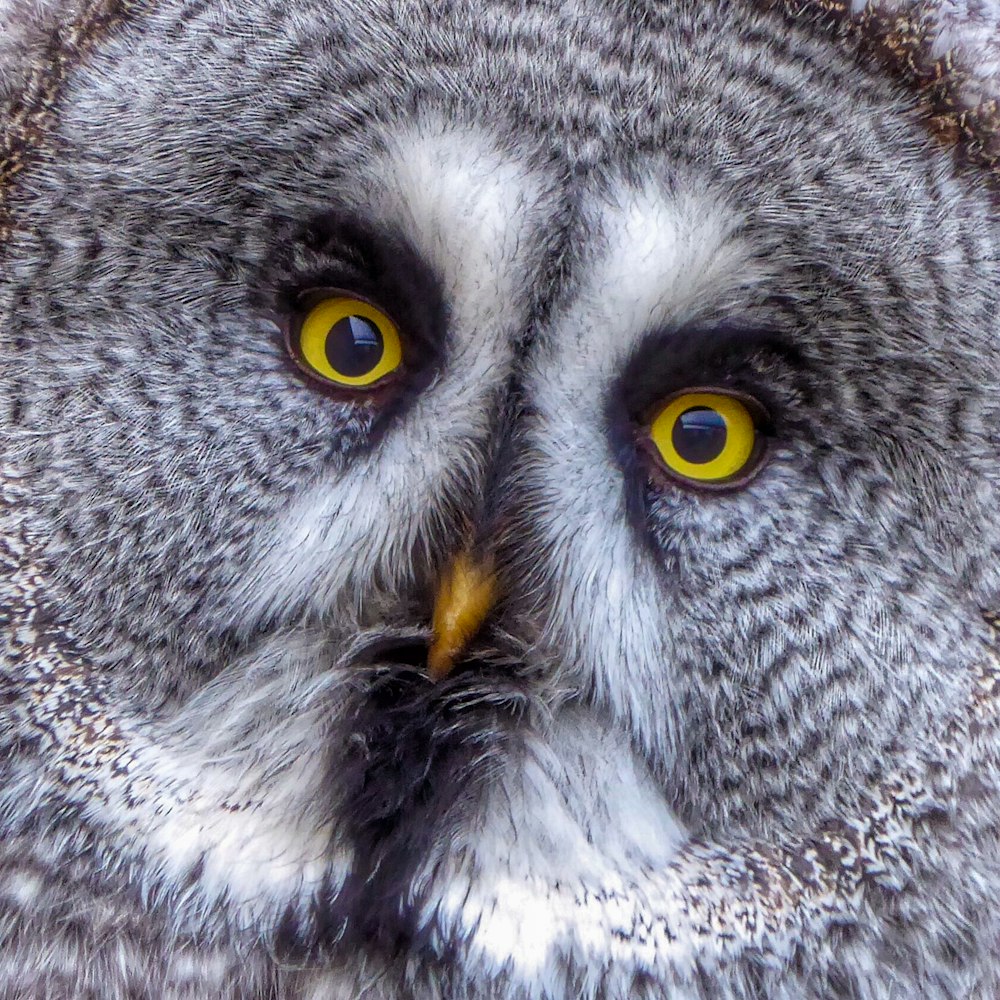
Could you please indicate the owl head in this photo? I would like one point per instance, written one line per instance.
(452, 449)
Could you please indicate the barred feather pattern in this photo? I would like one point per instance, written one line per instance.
(39, 48)
(693, 928)
(947, 50)
(895, 893)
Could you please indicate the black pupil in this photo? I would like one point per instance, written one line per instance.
(699, 435)
(353, 346)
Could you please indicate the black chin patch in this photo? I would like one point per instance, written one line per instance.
(419, 757)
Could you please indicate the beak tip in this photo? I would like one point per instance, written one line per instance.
(440, 661)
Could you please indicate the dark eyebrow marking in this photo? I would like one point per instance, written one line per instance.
(338, 252)
(666, 361)
(346, 252)
(719, 354)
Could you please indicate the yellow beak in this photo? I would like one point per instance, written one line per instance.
(465, 595)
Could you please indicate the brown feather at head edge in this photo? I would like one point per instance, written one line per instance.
(902, 41)
(26, 121)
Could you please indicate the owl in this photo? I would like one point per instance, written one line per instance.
(498, 500)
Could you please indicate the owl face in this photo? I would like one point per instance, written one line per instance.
(691, 342)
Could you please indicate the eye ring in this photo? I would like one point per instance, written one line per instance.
(720, 444)
(344, 340)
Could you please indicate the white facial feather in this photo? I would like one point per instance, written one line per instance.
(575, 807)
(228, 787)
(662, 260)
(469, 211)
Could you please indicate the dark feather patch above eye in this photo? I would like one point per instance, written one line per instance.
(725, 356)
(356, 256)
(728, 358)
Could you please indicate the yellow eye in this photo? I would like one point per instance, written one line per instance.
(706, 437)
(348, 342)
